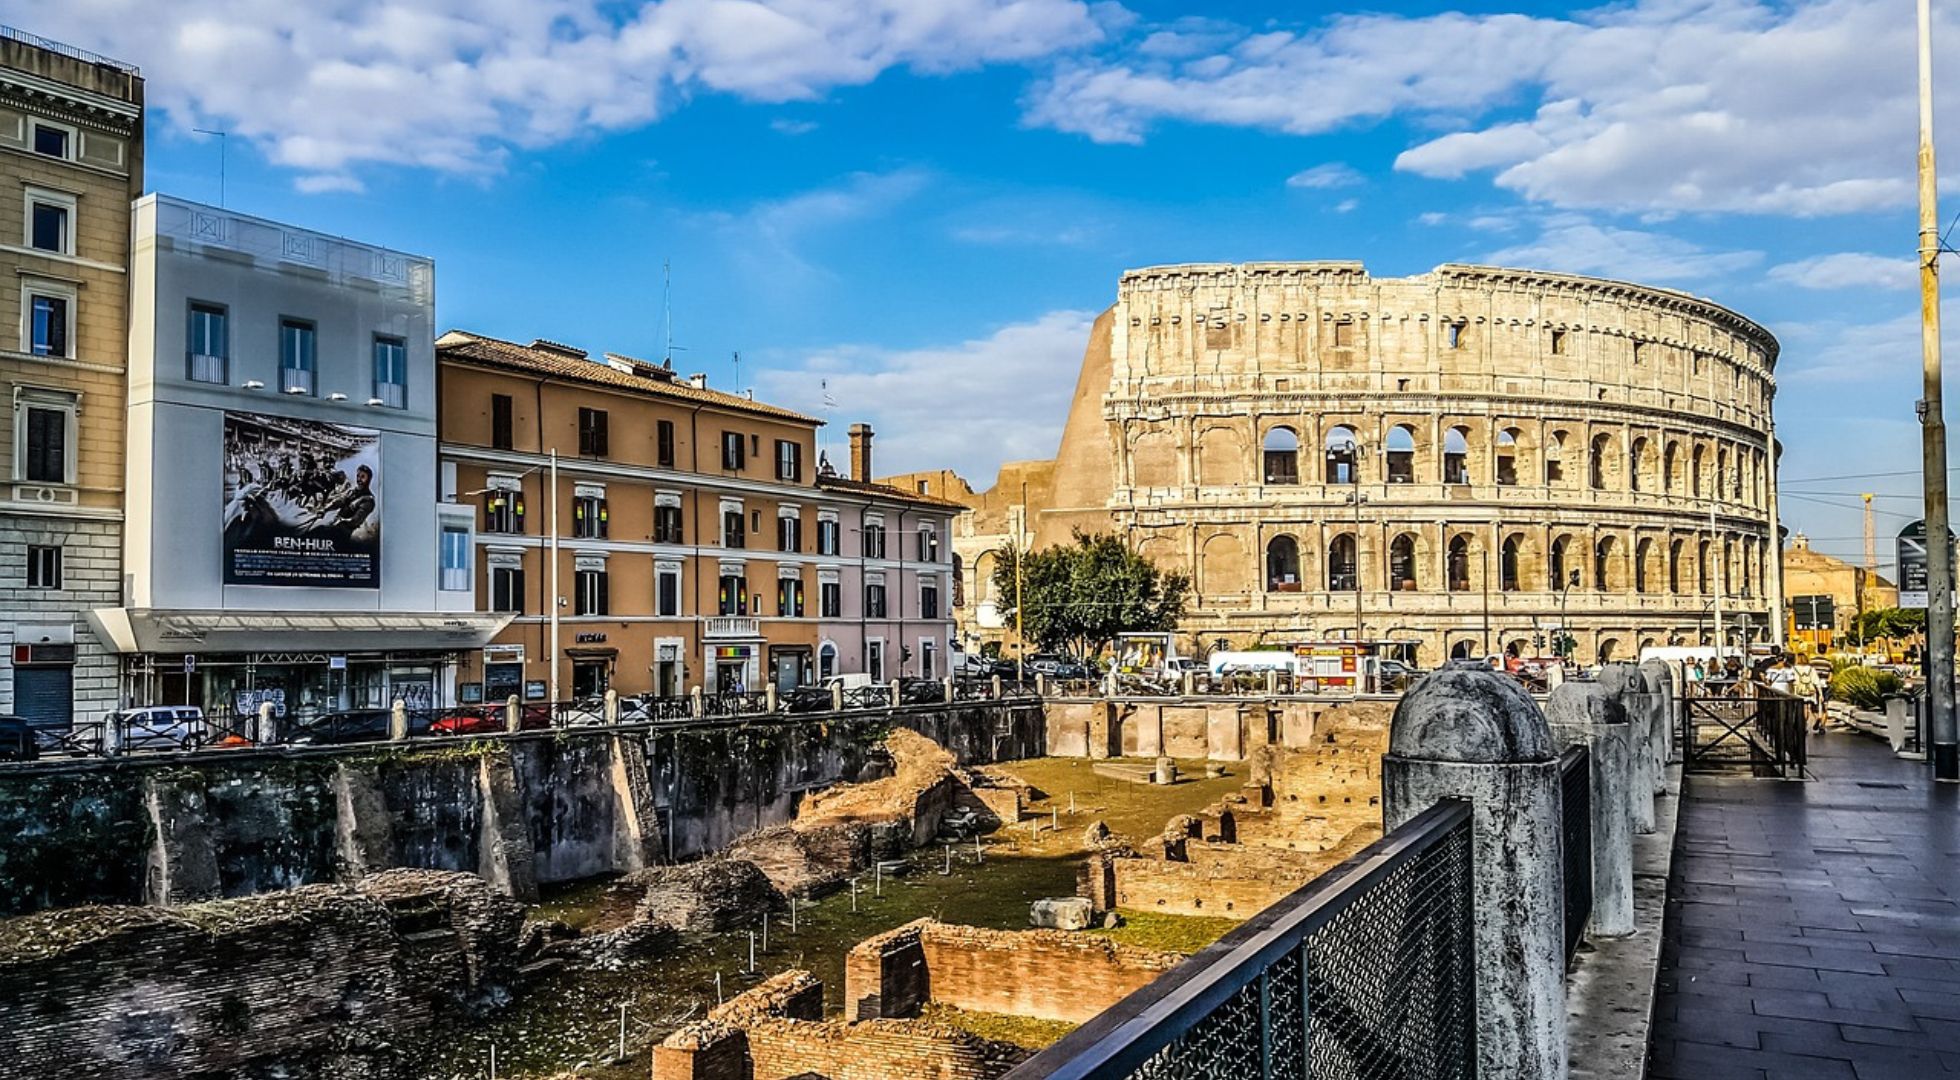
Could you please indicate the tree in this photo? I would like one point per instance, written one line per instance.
(1889, 623)
(1077, 597)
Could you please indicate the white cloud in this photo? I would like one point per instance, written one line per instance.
(1761, 106)
(1333, 174)
(783, 125)
(1577, 246)
(326, 89)
(1347, 206)
(967, 406)
(1848, 270)
(769, 234)
(1864, 355)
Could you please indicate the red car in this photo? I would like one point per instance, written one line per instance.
(487, 720)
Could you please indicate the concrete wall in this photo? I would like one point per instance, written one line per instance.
(535, 808)
(1208, 728)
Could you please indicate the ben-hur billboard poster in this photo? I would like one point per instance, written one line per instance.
(302, 503)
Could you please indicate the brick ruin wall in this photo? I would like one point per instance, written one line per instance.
(1044, 974)
(1211, 729)
(316, 982)
(776, 1031)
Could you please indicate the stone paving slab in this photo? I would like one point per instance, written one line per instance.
(1813, 928)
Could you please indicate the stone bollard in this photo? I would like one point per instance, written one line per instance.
(266, 734)
(1585, 714)
(513, 715)
(1624, 681)
(1040, 685)
(1272, 682)
(950, 694)
(837, 697)
(1188, 683)
(1109, 681)
(609, 710)
(996, 688)
(896, 700)
(398, 721)
(770, 698)
(1467, 732)
(1166, 771)
(697, 704)
(1660, 680)
(1896, 725)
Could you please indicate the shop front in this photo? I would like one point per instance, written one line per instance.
(733, 669)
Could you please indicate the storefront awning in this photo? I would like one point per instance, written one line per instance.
(157, 630)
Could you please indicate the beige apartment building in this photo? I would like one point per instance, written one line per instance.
(71, 145)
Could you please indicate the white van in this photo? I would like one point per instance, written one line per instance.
(1239, 663)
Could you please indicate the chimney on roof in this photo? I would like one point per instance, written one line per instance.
(861, 452)
(698, 380)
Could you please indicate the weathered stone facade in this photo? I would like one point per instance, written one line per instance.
(1504, 430)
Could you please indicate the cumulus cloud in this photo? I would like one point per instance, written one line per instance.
(1863, 354)
(1578, 246)
(326, 89)
(768, 235)
(1848, 270)
(1795, 108)
(969, 406)
(1334, 174)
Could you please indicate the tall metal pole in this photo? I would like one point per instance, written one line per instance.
(1718, 578)
(1020, 559)
(1354, 477)
(552, 548)
(1932, 416)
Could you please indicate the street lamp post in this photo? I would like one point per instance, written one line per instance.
(1353, 451)
(1932, 417)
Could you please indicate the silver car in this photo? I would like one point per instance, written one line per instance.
(159, 727)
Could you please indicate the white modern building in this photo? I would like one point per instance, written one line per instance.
(284, 542)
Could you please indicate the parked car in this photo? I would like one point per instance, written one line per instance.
(921, 691)
(1057, 666)
(347, 726)
(159, 727)
(485, 720)
(807, 699)
(17, 740)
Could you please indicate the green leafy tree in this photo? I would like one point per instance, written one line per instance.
(1888, 623)
(1077, 597)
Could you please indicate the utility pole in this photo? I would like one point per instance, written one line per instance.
(1718, 578)
(1932, 415)
(552, 523)
(1020, 560)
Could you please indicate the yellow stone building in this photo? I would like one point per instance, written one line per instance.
(1809, 572)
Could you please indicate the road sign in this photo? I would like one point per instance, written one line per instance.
(1818, 612)
(1912, 564)
(190, 663)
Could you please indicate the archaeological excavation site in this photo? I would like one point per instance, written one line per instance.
(936, 891)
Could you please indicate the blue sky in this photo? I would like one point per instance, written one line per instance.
(924, 201)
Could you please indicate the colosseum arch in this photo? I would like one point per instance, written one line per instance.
(1602, 464)
(1458, 560)
(1161, 549)
(1562, 566)
(1343, 453)
(1343, 563)
(1283, 564)
(1556, 474)
(1222, 566)
(1697, 469)
(1404, 565)
(1399, 446)
(1646, 565)
(1456, 455)
(1221, 456)
(1721, 471)
(1609, 650)
(1508, 463)
(959, 581)
(1510, 563)
(1153, 458)
(1280, 454)
(1703, 567)
(1637, 464)
(1675, 550)
(1671, 466)
(1609, 565)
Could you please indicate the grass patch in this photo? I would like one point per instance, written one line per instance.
(1022, 1031)
(1167, 933)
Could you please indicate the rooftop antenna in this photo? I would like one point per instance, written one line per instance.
(738, 371)
(667, 311)
(222, 148)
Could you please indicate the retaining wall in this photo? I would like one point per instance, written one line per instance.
(1197, 728)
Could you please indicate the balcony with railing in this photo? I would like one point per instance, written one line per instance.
(724, 627)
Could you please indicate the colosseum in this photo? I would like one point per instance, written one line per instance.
(1460, 462)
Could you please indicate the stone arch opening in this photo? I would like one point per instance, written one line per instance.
(1507, 456)
(1153, 459)
(1343, 455)
(1281, 449)
(1222, 566)
(1461, 650)
(1609, 650)
(1636, 463)
(1402, 574)
(1600, 462)
(1459, 563)
(1282, 564)
(1456, 456)
(1401, 451)
(1606, 576)
(959, 581)
(1697, 464)
(1221, 457)
(1670, 466)
(1702, 572)
(1507, 564)
(1643, 553)
(1343, 564)
(1674, 551)
(1555, 460)
(1563, 574)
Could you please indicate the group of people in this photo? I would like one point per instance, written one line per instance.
(1784, 674)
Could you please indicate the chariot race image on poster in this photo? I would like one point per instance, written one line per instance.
(302, 503)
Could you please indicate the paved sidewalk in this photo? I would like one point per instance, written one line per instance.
(1813, 929)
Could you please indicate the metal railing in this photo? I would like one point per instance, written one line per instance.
(69, 51)
(1744, 725)
(1575, 780)
(1366, 973)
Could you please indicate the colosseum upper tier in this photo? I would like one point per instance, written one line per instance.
(1476, 455)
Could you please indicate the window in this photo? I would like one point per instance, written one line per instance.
(733, 598)
(1342, 451)
(929, 600)
(48, 323)
(928, 545)
(667, 524)
(874, 660)
(830, 599)
(455, 558)
(667, 590)
(789, 597)
(592, 593)
(789, 533)
(664, 443)
(874, 541)
(1456, 456)
(826, 661)
(1554, 459)
(53, 141)
(1507, 565)
(1558, 343)
(1343, 564)
(1458, 563)
(874, 600)
(501, 431)
(789, 460)
(391, 371)
(43, 566)
(732, 528)
(1507, 456)
(734, 453)
(1282, 564)
(209, 344)
(44, 443)
(1402, 563)
(828, 535)
(927, 650)
(1453, 335)
(1344, 334)
(1282, 456)
(592, 432)
(503, 512)
(589, 517)
(1401, 455)
(296, 360)
(51, 222)
(507, 589)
